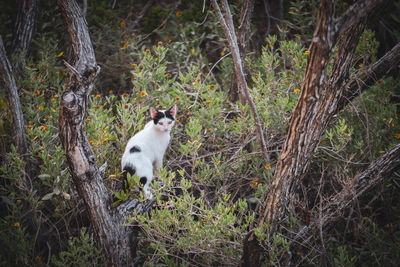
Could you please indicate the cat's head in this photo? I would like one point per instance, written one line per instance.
(164, 119)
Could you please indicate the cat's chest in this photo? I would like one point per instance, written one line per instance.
(157, 142)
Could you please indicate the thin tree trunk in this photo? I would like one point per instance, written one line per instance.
(25, 27)
(10, 84)
(243, 37)
(227, 24)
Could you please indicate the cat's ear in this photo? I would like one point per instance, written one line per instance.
(173, 110)
(153, 112)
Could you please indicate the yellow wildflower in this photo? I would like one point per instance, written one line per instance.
(91, 142)
(133, 65)
(297, 90)
(30, 127)
(36, 92)
(192, 52)
(122, 24)
(307, 52)
(17, 224)
(41, 108)
(43, 128)
(125, 45)
(178, 14)
(59, 55)
(208, 101)
(169, 40)
(53, 99)
(143, 94)
(397, 136)
(168, 75)
(223, 52)
(98, 96)
(148, 51)
(254, 184)
(160, 43)
(56, 96)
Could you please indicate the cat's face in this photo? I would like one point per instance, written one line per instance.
(164, 120)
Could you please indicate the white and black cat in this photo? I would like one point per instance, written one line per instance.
(145, 151)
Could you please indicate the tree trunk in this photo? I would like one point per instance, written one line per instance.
(320, 100)
(23, 33)
(10, 84)
(111, 236)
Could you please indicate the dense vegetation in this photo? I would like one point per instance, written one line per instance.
(209, 190)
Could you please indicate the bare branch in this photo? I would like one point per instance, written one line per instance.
(377, 171)
(374, 72)
(357, 12)
(227, 24)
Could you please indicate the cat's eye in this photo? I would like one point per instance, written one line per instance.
(169, 122)
(161, 123)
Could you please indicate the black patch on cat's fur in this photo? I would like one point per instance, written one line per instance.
(158, 117)
(135, 149)
(127, 169)
(168, 115)
(143, 180)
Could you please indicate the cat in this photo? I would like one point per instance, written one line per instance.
(145, 151)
